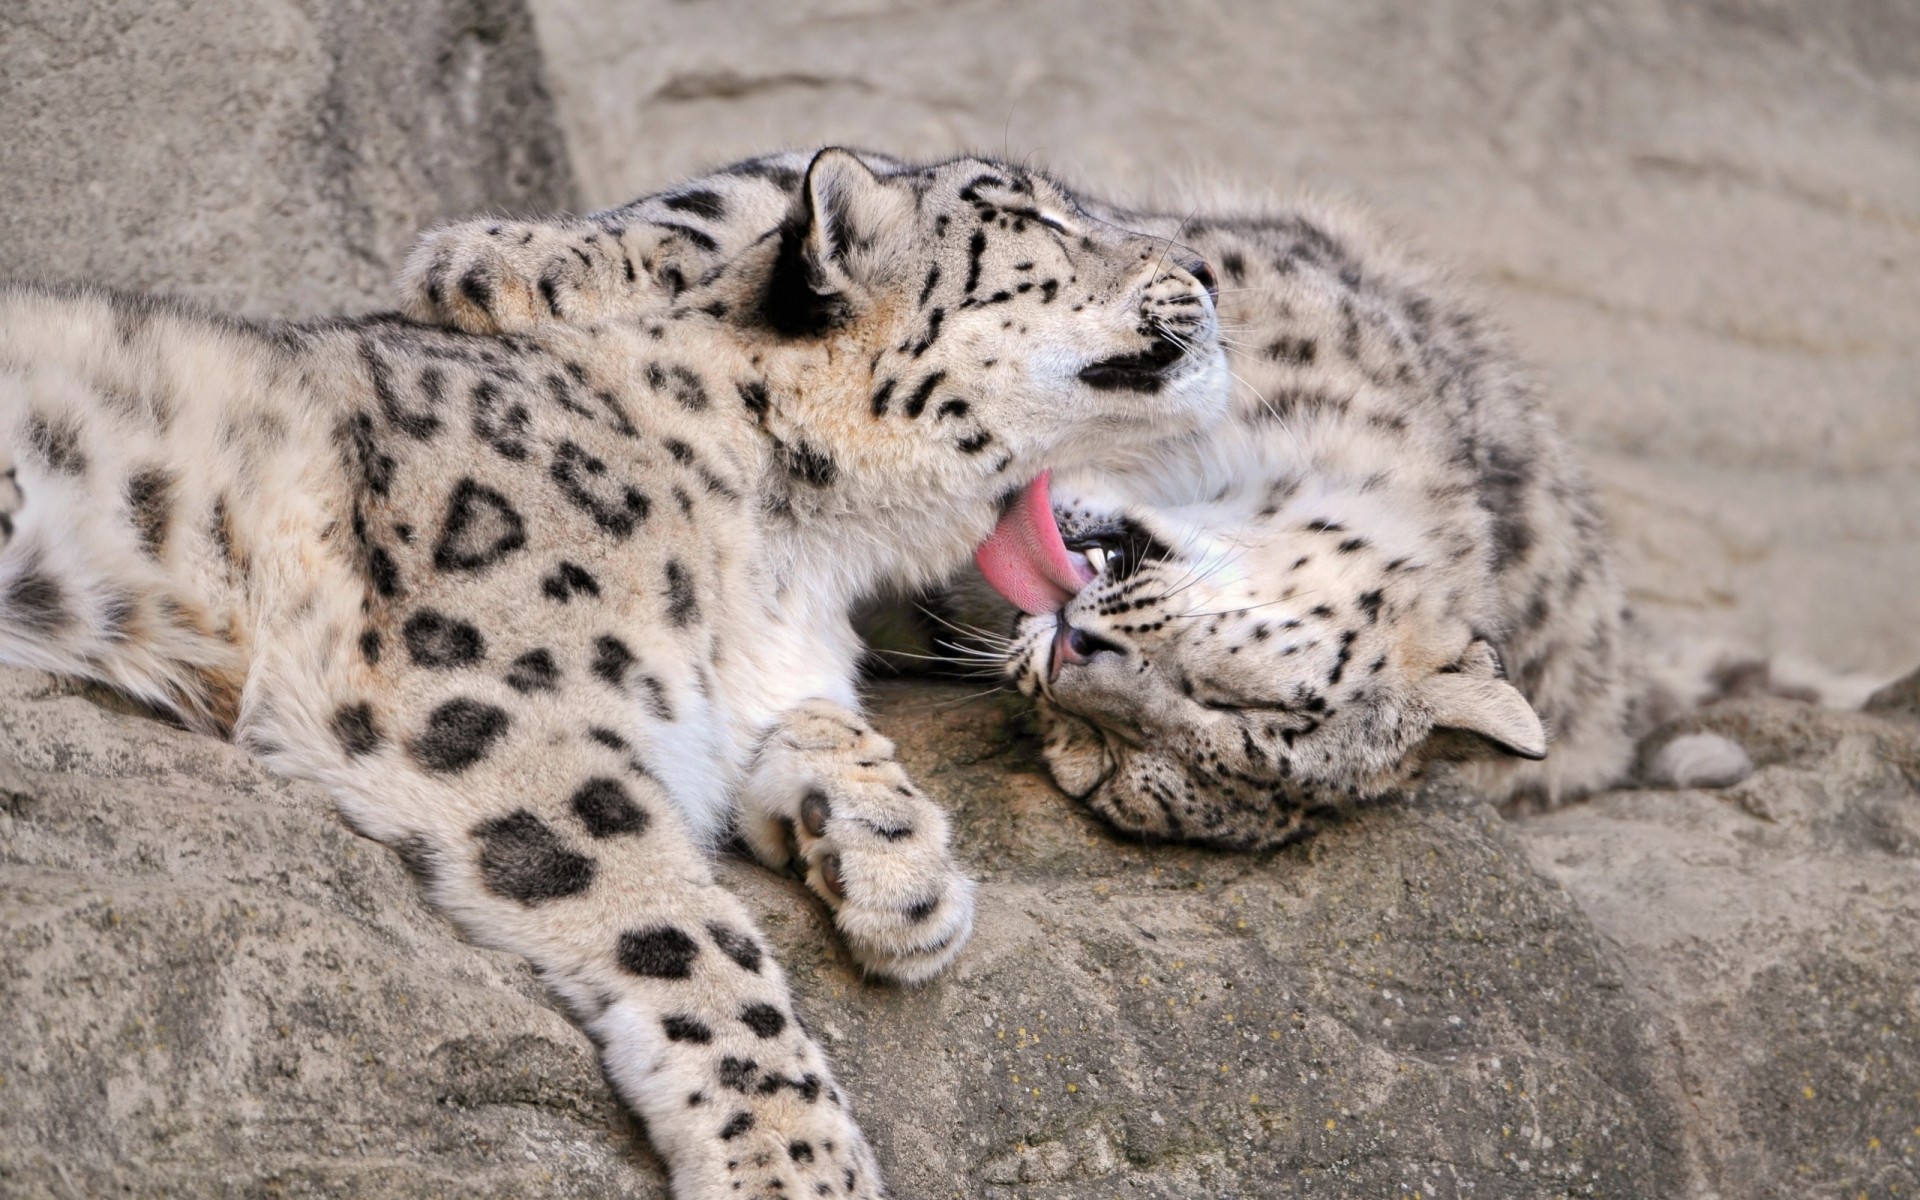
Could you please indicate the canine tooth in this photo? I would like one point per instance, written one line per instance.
(1097, 559)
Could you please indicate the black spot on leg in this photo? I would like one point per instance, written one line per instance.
(683, 607)
(370, 646)
(150, 505)
(655, 697)
(736, 1125)
(57, 442)
(523, 859)
(606, 809)
(501, 423)
(420, 858)
(738, 1073)
(533, 671)
(611, 660)
(738, 946)
(800, 1152)
(615, 507)
(459, 733)
(35, 602)
(658, 952)
(436, 640)
(764, 1019)
(687, 1029)
(355, 728)
(416, 424)
(882, 396)
(568, 579)
(479, 530)
(382, 572)
(373, 466)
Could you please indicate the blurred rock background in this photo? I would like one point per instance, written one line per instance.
(1702, 222)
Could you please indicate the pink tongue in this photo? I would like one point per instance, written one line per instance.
(1024, 558)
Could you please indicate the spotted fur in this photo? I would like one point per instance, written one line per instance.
(1387, 560)
(551, 610)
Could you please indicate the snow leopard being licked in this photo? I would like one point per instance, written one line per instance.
(551, 612)
(1385, 560)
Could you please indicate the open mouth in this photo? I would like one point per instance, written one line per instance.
(1143, 371)
(1026, 560)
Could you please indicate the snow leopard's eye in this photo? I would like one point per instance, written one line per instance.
(1116, 553)
(1105, 552)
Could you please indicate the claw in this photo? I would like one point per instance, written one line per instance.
(830, 876)
(814, 811)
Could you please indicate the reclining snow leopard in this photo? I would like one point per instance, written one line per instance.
(1386, 559)
(549, 612)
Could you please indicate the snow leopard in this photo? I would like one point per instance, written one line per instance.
(555, 610)
(1386, 564)
(1387, 561)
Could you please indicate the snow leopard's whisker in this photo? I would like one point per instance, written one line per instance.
(970, 631)
(1202, 576)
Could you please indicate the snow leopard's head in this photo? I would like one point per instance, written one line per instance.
(1226, 681)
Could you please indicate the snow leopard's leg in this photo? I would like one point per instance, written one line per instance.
(531, 822)
(825, 796)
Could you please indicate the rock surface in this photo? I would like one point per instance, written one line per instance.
(1701, 220)
(222, 992)
(219, 990)
(268, 157)
(1770, 928)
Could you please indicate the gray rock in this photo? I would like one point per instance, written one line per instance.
(1901, 697)
(216, 989)
(1770, 928)
(269, 157)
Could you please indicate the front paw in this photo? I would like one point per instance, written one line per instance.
(833, 806)
(876, 851)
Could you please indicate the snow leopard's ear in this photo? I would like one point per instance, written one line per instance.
(848, 224)
(1491, 709)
